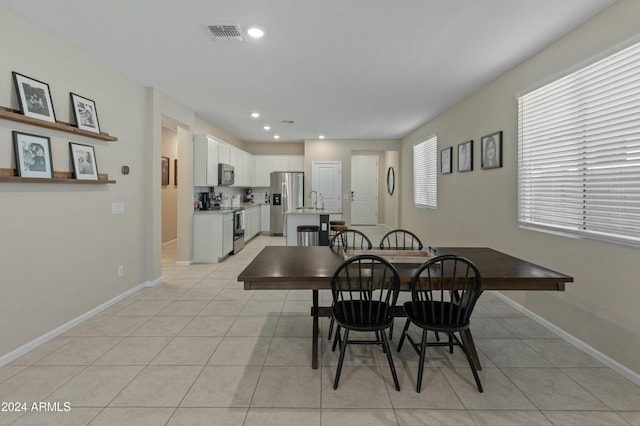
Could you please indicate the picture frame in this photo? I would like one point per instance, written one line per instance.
(491, 150)
(83, 158)
(165, 170)
(175, 172)
(34, 97)
(446, 160)
(85, 113)
(465, 156)
(33, 155)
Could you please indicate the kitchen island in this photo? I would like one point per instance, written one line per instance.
(308, 216)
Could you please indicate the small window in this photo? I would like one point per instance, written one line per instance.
(579, 153)
(425, 173)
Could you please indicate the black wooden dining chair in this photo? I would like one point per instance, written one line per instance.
(444, 291)
(351, 239)
(365, 289)
(400, 239)
(348, 239)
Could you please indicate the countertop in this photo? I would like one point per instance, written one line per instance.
(230, 209)
(313, 211)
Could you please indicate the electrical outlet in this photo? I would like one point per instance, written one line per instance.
(120, 271)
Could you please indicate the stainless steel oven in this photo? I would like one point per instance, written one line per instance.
(238, 230)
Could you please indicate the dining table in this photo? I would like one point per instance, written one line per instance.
(312, 268)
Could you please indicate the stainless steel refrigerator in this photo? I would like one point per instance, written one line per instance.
(287, 193)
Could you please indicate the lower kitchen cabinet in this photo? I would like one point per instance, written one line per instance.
(212, 236)
(251, 222)
(265, 218)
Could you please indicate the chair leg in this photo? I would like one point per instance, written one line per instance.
(423, 351)
(330, 328)
(450, 344)
(343, 349)
(387, 350)
(404, 334)
(336, 339)
(465, 343)
(391, 330)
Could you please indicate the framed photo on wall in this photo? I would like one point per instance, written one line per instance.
(33, 155)
(165, 170)
(491, 150)
(175, 172)
(84, 111)
(83, 158)
(34, 97)
(446, 160)
(465, 156)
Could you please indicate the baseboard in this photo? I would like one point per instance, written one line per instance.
(17, 353)
(606, 360)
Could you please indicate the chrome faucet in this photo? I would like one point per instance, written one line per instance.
(315, 203)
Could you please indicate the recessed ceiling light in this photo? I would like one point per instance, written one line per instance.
(267, 127)
(255, 114)
(321, 136)
(255, 32)
(276, 136)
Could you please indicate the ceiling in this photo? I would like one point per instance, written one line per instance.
(345, 69)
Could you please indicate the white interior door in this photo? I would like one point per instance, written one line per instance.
(364, 190)
(327, 180)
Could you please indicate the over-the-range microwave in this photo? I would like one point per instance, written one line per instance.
(226, 174)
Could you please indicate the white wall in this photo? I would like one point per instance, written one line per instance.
(61, 245)
(480, 208)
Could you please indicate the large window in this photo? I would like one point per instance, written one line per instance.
(579, 152)
(425, 173)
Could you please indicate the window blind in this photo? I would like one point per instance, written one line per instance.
(425, 176)
(579, 152)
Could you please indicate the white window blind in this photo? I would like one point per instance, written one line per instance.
(579, 152)
(425, 176)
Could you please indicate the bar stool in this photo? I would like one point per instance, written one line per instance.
(334, 229)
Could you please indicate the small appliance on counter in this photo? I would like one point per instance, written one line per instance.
(248, 195)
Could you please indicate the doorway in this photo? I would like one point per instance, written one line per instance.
(169, 193)
(364, 190)
(327, 180)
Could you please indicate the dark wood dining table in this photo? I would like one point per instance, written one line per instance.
(311, 268)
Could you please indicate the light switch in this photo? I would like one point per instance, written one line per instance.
(117, 208)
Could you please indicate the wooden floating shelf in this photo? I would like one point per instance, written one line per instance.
(11, 175)
(13, 115)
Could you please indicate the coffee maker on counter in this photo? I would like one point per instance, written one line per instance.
(248, 195)
(209, 201)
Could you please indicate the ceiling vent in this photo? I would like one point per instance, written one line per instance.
(230, 32)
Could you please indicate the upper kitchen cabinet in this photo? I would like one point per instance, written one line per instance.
(245, 165)
(224, 153)
(265, 164)
(205, 161)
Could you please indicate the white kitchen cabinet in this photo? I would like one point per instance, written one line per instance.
(264, 167)
(295, 163)
(212, 236)
(249, 169)
(205, 161)
(251, 222)
(265, 218)
(265, 164)
(280, 163)
(224, 153)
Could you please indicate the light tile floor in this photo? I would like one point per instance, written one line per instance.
(200, 350)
